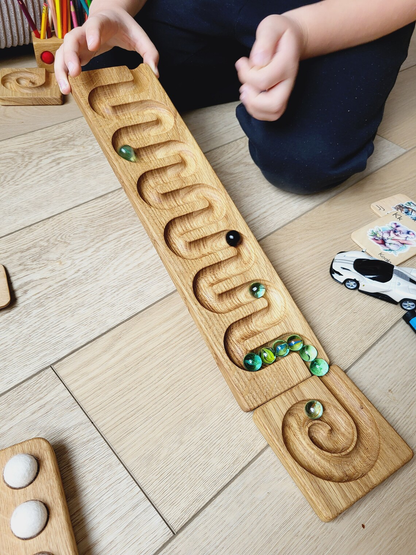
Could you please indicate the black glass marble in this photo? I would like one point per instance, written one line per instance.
(233, 238)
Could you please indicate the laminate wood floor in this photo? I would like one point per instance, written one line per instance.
(155, 454)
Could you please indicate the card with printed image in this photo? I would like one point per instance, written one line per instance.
(396, 203)
(391, 238)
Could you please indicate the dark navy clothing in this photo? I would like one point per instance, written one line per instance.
(327, 132)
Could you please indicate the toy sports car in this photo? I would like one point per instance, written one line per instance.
(358, 270)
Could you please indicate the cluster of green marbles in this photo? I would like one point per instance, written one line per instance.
(314, 409)
(253, 362)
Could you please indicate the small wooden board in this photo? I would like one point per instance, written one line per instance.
(57, 537)
(29, 87)
(340, 457)
(4, 288)
(187, 212)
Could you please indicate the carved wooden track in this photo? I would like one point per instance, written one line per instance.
(187, 214)
(31, 86)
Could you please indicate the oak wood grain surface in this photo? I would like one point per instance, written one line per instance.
(108, 511)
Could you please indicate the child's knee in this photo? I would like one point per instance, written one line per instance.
(307, 167)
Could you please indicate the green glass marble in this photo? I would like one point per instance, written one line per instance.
(281, 348)
(319, 367)
(252, 362)
(257, 290)
(127, 152)
(267, 355)
(295, 342)
(314, 409)
(308, 353)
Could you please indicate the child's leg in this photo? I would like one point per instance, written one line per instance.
(327, 132)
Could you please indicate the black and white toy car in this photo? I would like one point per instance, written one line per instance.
(358, 270)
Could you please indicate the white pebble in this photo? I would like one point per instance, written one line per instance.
(29, 519)
(20, 471)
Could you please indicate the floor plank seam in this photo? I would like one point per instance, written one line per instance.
(113, 451)
(39, 129)
(224, 144)
(122, 322)
(213, 498)
(25, 380)
(59, 214)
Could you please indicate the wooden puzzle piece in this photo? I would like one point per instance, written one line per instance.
(46, 489)
(336, 459)
(235, 296)
(4, 288)
(28, 87)
(396, 203)
(391, 238)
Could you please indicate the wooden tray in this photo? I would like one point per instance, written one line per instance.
(57, 538)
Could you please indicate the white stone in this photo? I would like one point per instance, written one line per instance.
(29, 519)
(20, 470)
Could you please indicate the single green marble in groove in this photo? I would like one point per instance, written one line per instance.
(257, 290)
(308, 353)
(128, 153)
(281, 348)
(295, 342)
(267, 355)
(319, 367)
(314, 409)
(252, 362)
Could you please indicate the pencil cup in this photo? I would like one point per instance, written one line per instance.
(45, 50)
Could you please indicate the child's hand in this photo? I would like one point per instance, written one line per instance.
(268, 75)
(102, 30)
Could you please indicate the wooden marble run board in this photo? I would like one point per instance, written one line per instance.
(29, 87)
(336, 458)
(57, 537)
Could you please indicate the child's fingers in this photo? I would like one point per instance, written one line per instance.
(268, 34)
(67, 58)
(268, 105)
(61, 71)
(282, 66)
(144, 46)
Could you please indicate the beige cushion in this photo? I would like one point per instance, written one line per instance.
(14, 29)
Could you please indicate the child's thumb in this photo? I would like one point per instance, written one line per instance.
(264, 48)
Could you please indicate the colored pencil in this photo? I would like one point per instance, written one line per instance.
(29, 19)
(52, 12)
(44, 20)
(73, 15)
(58, 19)
(64, 18)
(84, 5)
